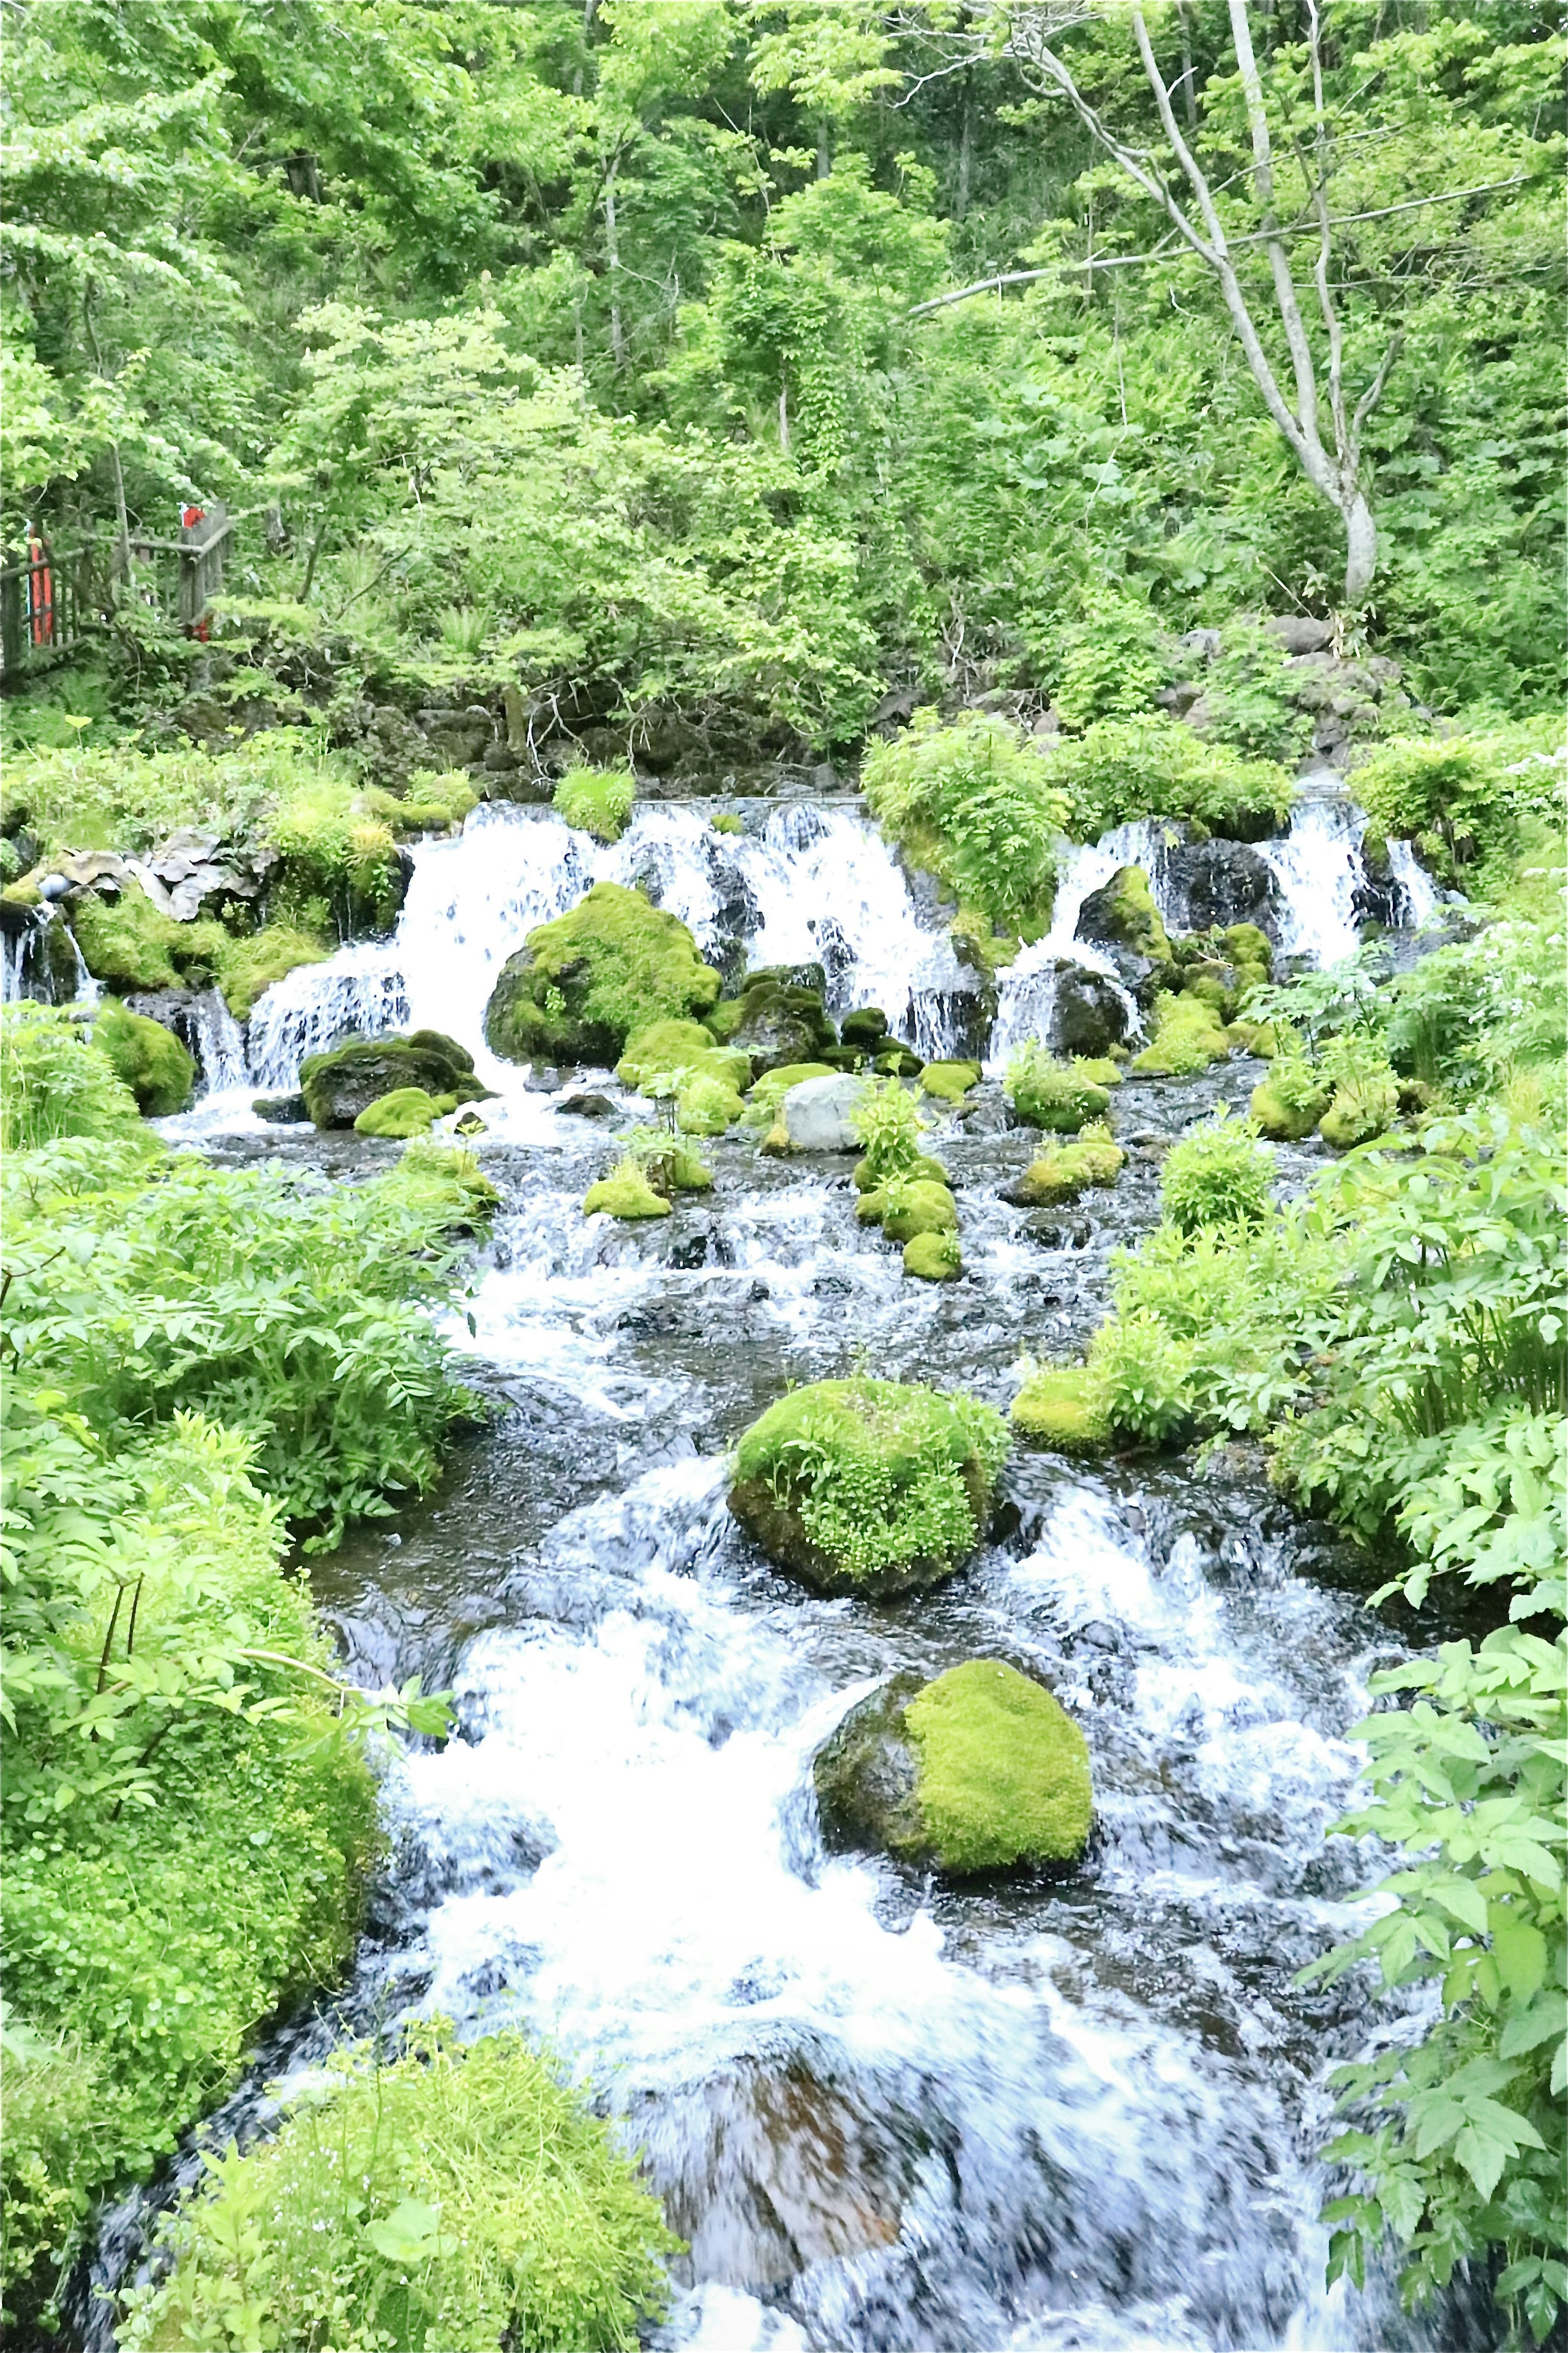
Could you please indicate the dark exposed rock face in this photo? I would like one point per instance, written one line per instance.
(341, 1084)
(868, 1775)
(1223, 883)
(781, 1019)
(1087, 1013)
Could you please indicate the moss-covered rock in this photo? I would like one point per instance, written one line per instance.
(582, 985)
(776, 1023)
(1056, 1408)
(1055, 1095)
(447, 1177)
(933, 1257)
(866, 1486)
(949, 1081)
(1122, 913)
(661, 1048)
(929, 1171)
(1064, 1172)
(346, 1080)
(248, 967)
(911, 1207)
(1187, 1038)
(867, 1027)
(1285, 1114)
(406, 1112)
(1359, 1113)
(977, 1770)
(126, 942)
(624, 1193)
(150, 1059)
(897, 1063)
(762, 1103)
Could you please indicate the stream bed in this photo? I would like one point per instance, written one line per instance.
(884, 2112)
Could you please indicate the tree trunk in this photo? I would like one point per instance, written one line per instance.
(1361, 548)
(966, 154)
(612, 255)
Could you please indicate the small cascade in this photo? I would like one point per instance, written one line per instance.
(15, 956)
(219, 1043)
(360, 989)
(1146, 842)
(1317, 868)
(30, 966)
(1418, 893)
(1027, 1001)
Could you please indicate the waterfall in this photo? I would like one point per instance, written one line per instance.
(1026, 996)
(1318, 867)
(219, 1043)
(814, 886)
(26, 969)
(1418, 893)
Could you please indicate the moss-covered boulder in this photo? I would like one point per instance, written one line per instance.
(933, 1257)
(1058, 1096)
(1064, 1172)
(625, 1193)
(1122, 913)
(406, 1112)
(949, 1081)
(775, 1021)
(150, 1058)
(867, 1027)
(979, 1770)
(1287, 1109)
(913, 1206)
(663, 1048)
(1188, 1037)
(1056, 1408)
(1359, 1113)
(897, 1063)
(866, 1486)
(868, 1180)
(579, 988)
(346, 1080)
(127, 942)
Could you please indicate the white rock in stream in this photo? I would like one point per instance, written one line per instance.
(816, 1114)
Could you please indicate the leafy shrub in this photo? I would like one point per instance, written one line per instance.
(1111, 663)
(873, 1484)
(54, 1081)
(1249, 694)
(459, 2197)
(1218, 1175)
(118, 796)
(972, 801)
(336, 857)
(596, 800)
(1120, 769)
(886, 1117)
(1466, 798)
(1140, 1379)
(1051, 1094)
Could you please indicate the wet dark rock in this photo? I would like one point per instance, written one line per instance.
(344, 1082)
(1054, 1233)
(690, 1248)
(781, 1022)
(1087, 1012)
(281, 1109)
(1217, 883)
(585, 1106)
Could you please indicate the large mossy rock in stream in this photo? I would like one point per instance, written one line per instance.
(341, 1084)
(150, 1058)
(978, 1770)
(777, 1021)
(579, 988)
(869, 1487)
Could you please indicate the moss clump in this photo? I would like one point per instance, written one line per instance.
(867, 1486)
(624, 1193)
(1187, 1038)
(444, 1178)
(341, 1083)
(1122, 913)
(434, 803)
(1217, 1175)
(661, 1047)
(1051, 1094)
(1064, 1172)
(127, 944)
(596, 800)
(897, 1063)
(491, 2207)
(1003, 1770)
(248, 968)
(975, 1771)
(911, 1205)
(341, 866)
(148, 1058)
(1056, 1408)
(582, 985)
(1283, 1115)
(867, 1027)
(726, 821)
(777, 1021)
(922, 1167)
(1358, 1113)
(1100, 1070)
(949, 1081)
(406, 1112)
(933, 1257)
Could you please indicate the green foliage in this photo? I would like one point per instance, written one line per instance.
(121, 797)
(1248, 693)
(934, 1257)
(54, 1081)
(972, 802)
(1051, 1094)
(148, 1059)
(949, 1081)
(1004, 1771)
(1218, 1175)
(1138, 1377)
(334, 856)
(886, 1117)
(1468, 799)
(455, 2198)
(582, 985)
(1152, 766)
(596, 800)
(1111, 665)
(880, 1475)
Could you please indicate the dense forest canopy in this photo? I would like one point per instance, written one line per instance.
(613, 351)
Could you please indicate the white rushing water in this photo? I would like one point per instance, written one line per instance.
(1318, 867)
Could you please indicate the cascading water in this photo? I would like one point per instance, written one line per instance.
(1318, 867)
(1026, 994)
(885, 2113)
(1418, 891)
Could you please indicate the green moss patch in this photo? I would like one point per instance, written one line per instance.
(126, 942)
(934, 1258)
(949, 1081)
(1284, 1114)
(1064, 1172)
(1122, 913)
(913, 1206)
(248, 968)
(341, 1084)
(582, 985)
(1046, 1093)
(1003, 1770)
(867, 1486)
(624, 1193)
(148, 1058)
(1187, 1037)
(596, 800)
(1359, 1113)
(763, 1102)
(1056, 1408)
(406, 1112)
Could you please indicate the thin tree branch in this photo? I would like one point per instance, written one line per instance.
(1285, 296)
(1374, 390)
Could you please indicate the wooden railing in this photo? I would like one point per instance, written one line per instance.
(48, 593)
